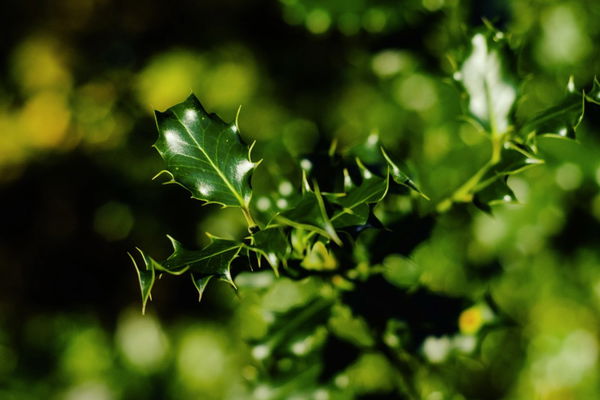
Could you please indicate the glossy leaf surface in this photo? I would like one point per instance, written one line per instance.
(355, 203)
(204, 154)
(212, 261)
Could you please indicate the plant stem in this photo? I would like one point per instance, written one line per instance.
(464, 193)
(252, 225)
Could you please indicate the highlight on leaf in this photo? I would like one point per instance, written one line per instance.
(205, 155)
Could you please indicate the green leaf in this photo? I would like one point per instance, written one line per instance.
(310, 214)
(401, 271)
(146, 277)
(400, 177)
(204, 154)
(349, 327)
(594, 94)
(491, 90)
(558, 121)
(355, 203)
(213, 260)
(514, 158)
(200, 284)
(368, 151)
(498, 192)
(272, 244)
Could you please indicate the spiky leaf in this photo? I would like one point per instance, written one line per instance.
(400, 177)
(355, 204)
(272, 244)
(204, 154)
(146, 277)
(498, 192)
(558, 121)
(212, 261)
(594, 94)
(310, 214)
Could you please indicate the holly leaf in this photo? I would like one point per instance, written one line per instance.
(204, 154)
(594, 94)
(368, 151)
(400, 177)
(355, 203)
(559, 121)
(310, 214)
(497, 192)
(272, 244)
(491, 90)
(146, 277)
(212, 261)
(514, 158)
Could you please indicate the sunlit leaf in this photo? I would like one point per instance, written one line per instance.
(204, 154)
(491, 90)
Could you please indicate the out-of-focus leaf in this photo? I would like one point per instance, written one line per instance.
(558, 121)
(401, 271)
(319, 258)
(368, 151)
(491, 90)
(271, 243)
(498, 192)
(348, 327)
(594, 94)
(204, 154)
(515, 158)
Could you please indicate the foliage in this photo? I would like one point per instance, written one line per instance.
(340, 288)
(488, 290)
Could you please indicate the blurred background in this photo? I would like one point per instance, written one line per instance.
(79, 80)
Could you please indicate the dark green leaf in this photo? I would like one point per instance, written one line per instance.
(400, 177)
(213, 260)
(514, 158)
(558, 121)
(310, 214)
(200, 284)
(368, 151)
(355, 203)
(594, 94)
(272, 244)
(498, 192)
(204, 154)
(146, 277)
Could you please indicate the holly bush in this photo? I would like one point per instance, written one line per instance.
(389, 200)
(341, 282)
